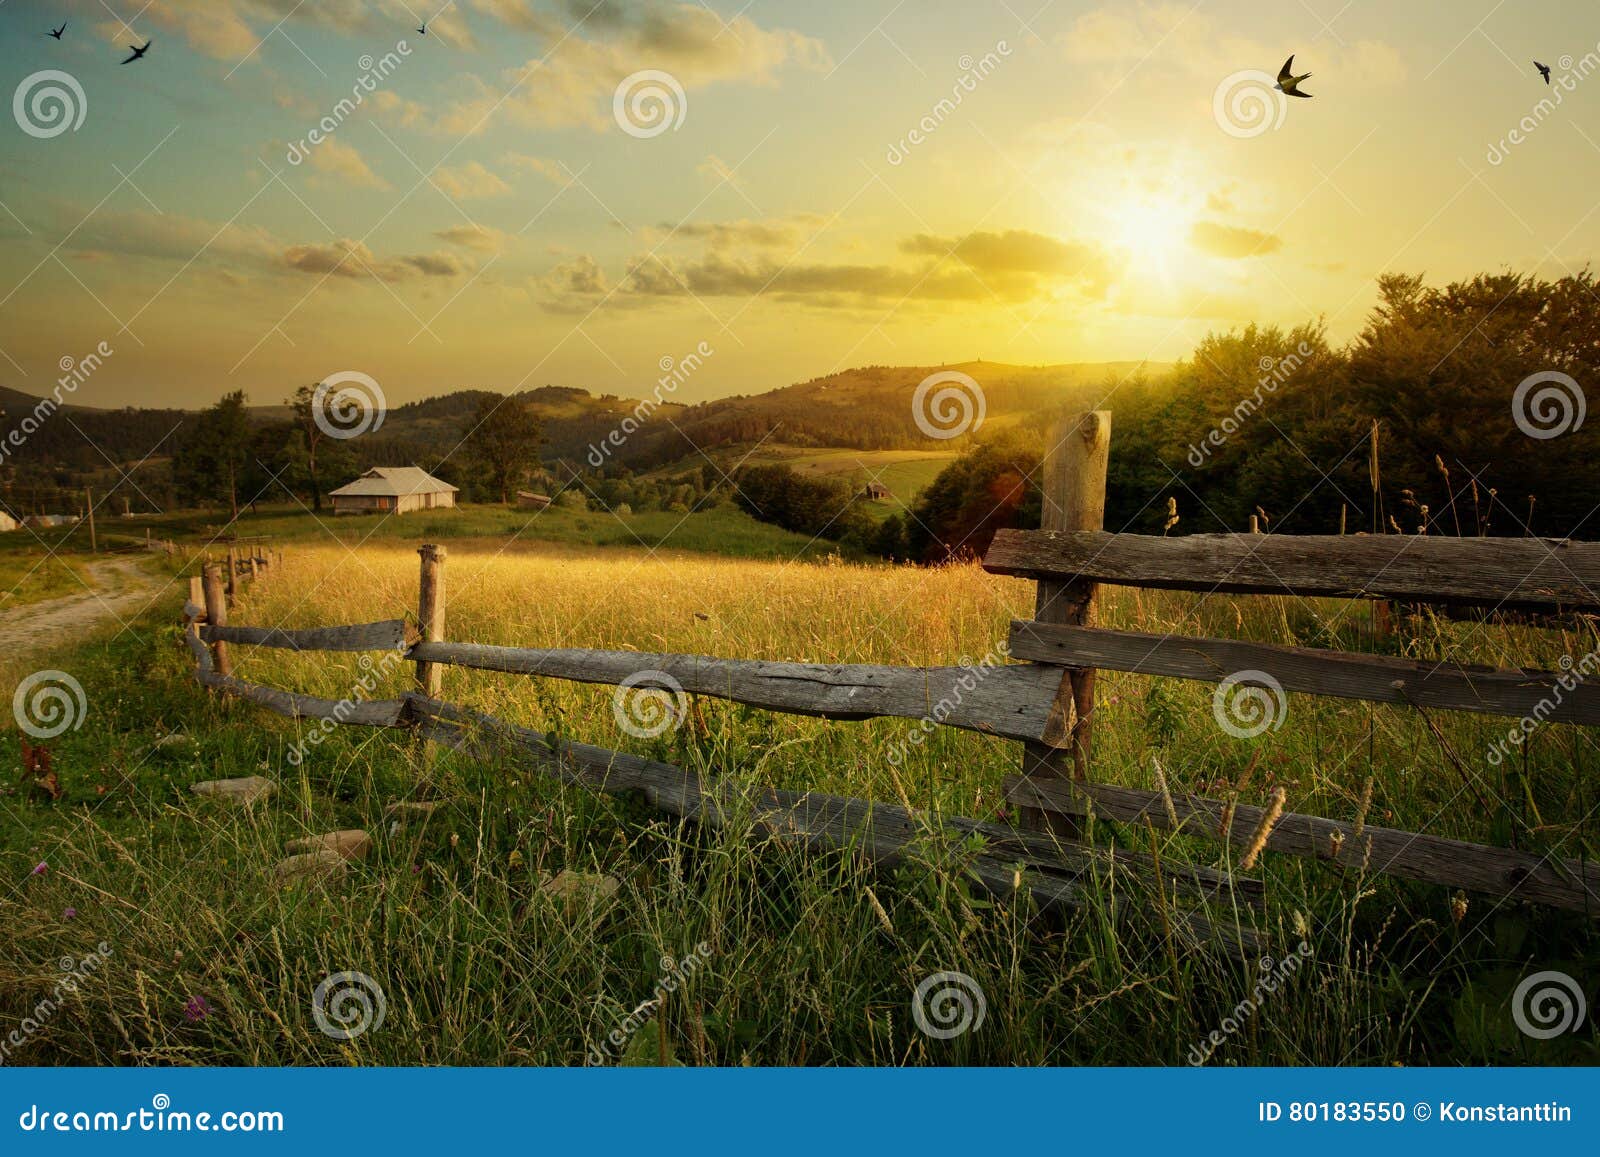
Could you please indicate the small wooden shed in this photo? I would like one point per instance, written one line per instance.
(531, 500)
(393, 490)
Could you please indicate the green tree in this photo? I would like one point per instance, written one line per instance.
(503, 438)
(211, 459)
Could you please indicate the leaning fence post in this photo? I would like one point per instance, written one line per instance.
(1073, 489)
(430, 615)
(217, 616)
(196, 606)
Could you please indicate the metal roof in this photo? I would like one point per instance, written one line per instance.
(393, 482)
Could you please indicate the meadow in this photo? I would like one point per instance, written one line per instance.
(809, 958)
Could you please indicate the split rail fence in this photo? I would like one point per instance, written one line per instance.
(1045, 701)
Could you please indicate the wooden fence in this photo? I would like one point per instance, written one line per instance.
(1045, 700)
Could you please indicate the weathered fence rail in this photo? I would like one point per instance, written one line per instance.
(1527, 574)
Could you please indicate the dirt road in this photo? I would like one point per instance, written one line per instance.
(123, 587)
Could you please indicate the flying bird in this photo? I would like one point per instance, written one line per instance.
(423, 31)
(1544, 71)
(1289, 83)
(56, 32)
(137, 51)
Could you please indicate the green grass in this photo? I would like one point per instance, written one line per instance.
(905, 472)
(29, 574)
(813, 957)
(721, 530)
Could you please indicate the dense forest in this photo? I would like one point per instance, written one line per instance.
(1423, 420)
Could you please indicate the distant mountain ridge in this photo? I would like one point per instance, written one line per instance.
(867, 408)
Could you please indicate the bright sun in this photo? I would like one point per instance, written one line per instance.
(1154, 233)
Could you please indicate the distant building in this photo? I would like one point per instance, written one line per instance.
(45, 521)
(7, 522)
(876, 490)
(393, 490)
(531, 500)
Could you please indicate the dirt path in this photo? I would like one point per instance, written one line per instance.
(123, 587)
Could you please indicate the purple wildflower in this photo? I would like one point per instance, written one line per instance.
(196, 1009)
(40, 868)
(69, 914)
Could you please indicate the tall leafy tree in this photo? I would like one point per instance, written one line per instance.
(503, 438)
(215, 451)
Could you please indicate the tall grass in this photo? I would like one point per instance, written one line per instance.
(813, 958)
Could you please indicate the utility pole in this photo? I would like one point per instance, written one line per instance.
(88, 502)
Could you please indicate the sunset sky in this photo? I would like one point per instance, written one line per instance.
(483, 219)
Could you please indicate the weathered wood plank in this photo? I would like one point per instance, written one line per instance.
(1009, 701)
(365, 713)
(1508, 573)
(1557, 696)
(389, 635)
(1560, 883)
(880, 832)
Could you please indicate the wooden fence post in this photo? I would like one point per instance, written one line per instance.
(430, 614)
(88, 506)
(217, 615)
(233, 572)
(1073, 488)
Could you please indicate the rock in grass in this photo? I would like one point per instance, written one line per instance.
(236, 791)
(569, 885)
(311, 867)
(351, 844)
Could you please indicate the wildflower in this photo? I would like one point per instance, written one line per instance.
(515, 858)
(196, 1009)
(69, 914)
(40, 868)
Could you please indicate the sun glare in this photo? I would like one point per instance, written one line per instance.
(1153, 233)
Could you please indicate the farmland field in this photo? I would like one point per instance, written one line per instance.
(809, 955)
